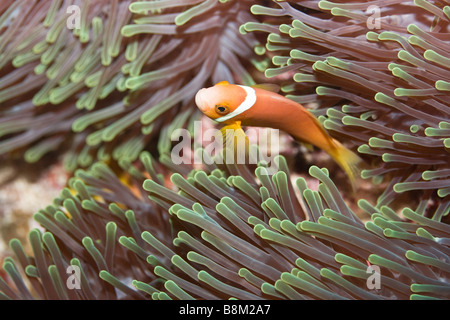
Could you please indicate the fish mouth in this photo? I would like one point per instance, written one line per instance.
(199, 100)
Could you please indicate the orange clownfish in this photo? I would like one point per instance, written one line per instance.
(236, 105)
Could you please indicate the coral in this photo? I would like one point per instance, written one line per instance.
(381, 81)
(225, 237)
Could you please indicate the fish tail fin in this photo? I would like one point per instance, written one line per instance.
(348, 160)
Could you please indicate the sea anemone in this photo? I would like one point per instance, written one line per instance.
(379, 74)
(105, 89)
(131, 224)
(221, 236)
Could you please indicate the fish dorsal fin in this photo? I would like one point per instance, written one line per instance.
(267, 86)
(222, 83)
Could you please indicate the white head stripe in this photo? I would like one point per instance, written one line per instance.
(249, 101)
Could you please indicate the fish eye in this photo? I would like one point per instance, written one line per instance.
(221, 109)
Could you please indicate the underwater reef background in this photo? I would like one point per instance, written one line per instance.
(92, 91)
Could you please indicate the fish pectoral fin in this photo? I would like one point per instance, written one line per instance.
(272, 87)
(235, 143)
(234, 136)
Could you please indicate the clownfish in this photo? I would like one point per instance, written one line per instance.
(237, 105)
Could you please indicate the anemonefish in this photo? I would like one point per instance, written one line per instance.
(237, 105)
